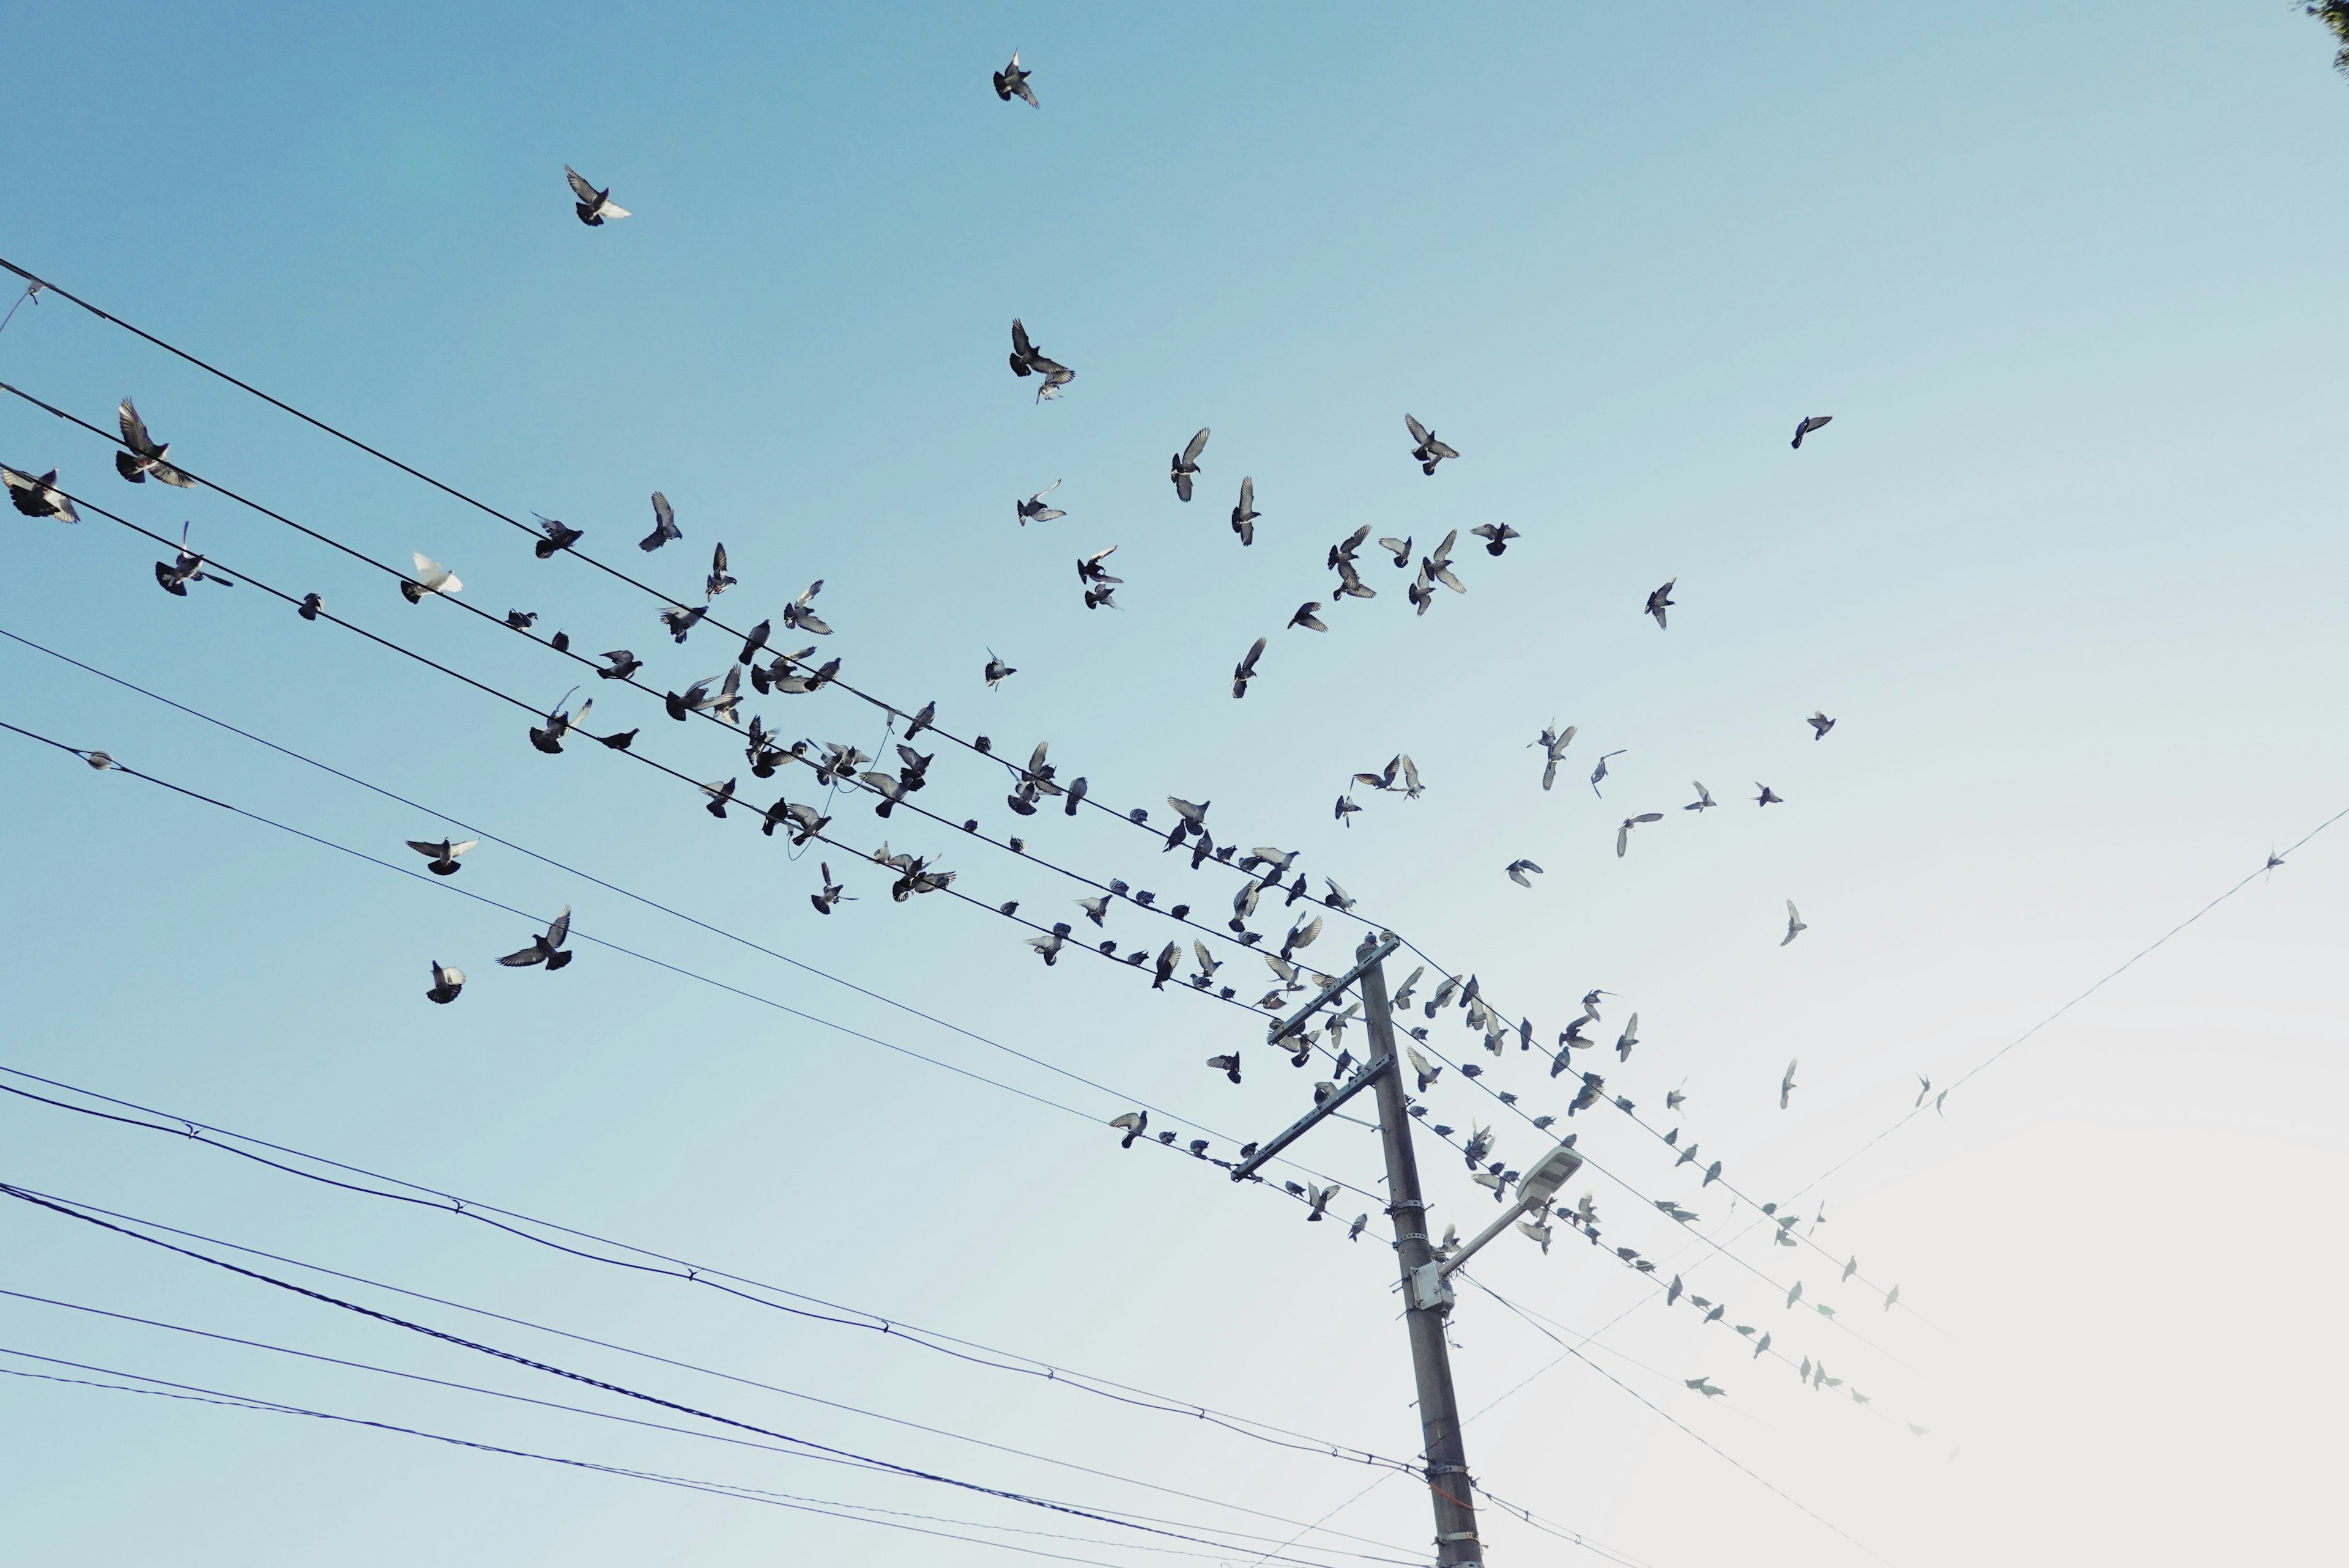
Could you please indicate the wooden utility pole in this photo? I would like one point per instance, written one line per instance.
(1425, 1298)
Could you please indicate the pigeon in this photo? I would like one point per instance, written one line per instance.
(665, 526)
(145, 455)
(593, 206)
(1346, 808)
(1033, 509)
(446, 983)
(1426, 449)
(1768, 797)
(1599, 772)
(1228, 1066)
(1518, 870)
(1186, 464)
(431, 577)
(1011, 82)
(1787, 1084)
(1924, 1087)
(1703, 801)
(547, 949)
(1027, 360)
(1794, 927)
(1354, 1232)
(1850, 1268)
(174, 576)
(1437, 567)
(310, 605)
(442, 855)
(832, 894)
(1629, 1037)
(1890, 1296)
(624, 663)
(1497, 536)
(1244, 515)
(1661, 601)
(997, 671)
(555, 537)
(522, 620)
(1419, 1064)
(1820, 724)
(38, 495)
(1245, 671)
(1623, 833)
(1134, 1123)
(1320, 1200)
(718, 580)
(1705, 1388)
(1553, 742)
(1306, 617)
(1808, 423)
(800, 615)
(720, 797)
(681, 622)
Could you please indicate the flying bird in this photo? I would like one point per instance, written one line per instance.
(1661, 601)
(1011, 82)
(997, 671)
(1033, 509)
(174, 576)
(1134, 1123)
(665, 526)
(1400, 549)
(1808, 423)
(1703, 801)
(554, 536)
(1599, 772)
(593, 206)
(1185, 464)
(446, 983)
(1768, 797)
(546, 949)
(1027, 360)
(832, 892)
(559, 723)
(718, 580)
(1553, 742)
(1787, 1084)
(1794, 927)
(1518, 870)
(1623, 833)
(37, 495)
(442, 855)
(1306, 617)
(1245, 671)
(1244, 515)
(431, 577)
(1629, 1037)
(145, 455)
(1426, 449)
(1820, 724)
(1497, 536)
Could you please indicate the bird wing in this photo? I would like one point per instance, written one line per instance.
(456, 850)
(1648, 817)
(1131, 1122)
(1437, 448)
(1198, 444)
(580, 188)
(1417, 431)
(1247, 665)
(608, 209)
(524, 959)
(1622, 839)
(430, 851)
(559, 932)
(1020, 343)
(1247, 496)
(134, 430)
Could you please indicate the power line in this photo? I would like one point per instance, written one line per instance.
(71, 1211)
(689, 1431)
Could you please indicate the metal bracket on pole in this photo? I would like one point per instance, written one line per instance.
(1430, 1290)
(1296, 1021)
(1304, 1124)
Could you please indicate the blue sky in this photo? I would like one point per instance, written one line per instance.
(2063, 567)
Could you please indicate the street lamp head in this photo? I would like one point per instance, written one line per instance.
(1554, 1170)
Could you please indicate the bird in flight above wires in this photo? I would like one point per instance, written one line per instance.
(37, 495)
(145, 457)
(545, 949)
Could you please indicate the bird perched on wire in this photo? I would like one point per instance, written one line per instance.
(174, 576)
(1426, 449)
(1011, 82)
(431, 577)
(1787, 1085)
(665, 526)
(1033, 509)
(1185, 464)
(1134, 1123)
(1599, 772)
(997, 671)
(595, 207)
(1705, 1388)
(1661, 601)
(1768, 797)
(1820, 724)
(545, 949)
(145, 455)
(1808, 423)
(443, 856)
(37, 495)
(446, 983)
(310, 605)
(559, 723)
(1518, 870)
(554, 537)
(1497, 536)
(1245, 671)
(1794, 927)
(1623, 833)
(1244, 515)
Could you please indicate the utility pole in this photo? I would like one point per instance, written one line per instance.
(1457, 1545)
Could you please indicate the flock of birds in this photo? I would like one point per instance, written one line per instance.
(1267, 869)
